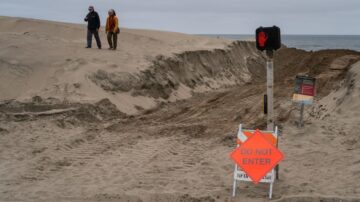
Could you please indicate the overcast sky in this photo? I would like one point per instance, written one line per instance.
(204, 16)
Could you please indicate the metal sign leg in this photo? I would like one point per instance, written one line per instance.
(301, 121)
(234, 183)
(277, 168)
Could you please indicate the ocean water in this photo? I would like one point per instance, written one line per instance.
(310, 42)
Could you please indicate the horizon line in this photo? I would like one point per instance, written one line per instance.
(155, 29)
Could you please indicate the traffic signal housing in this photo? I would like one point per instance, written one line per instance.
(268, 38)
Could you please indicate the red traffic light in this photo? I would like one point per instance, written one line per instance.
(268, 38)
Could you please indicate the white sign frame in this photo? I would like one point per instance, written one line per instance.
(240, 175)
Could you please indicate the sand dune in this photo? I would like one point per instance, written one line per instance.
(156, 120)
(49, 59)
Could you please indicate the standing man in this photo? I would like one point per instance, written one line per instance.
(93, 20)
(112, 29)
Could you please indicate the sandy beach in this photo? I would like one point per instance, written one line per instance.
(156, 120)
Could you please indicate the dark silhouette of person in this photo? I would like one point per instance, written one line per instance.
(93, 20)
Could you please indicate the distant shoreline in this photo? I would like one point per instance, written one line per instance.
(305, 42)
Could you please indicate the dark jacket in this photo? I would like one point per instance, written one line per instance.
(93, 20)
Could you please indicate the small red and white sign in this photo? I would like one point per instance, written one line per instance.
(304, 90)
(308, 89)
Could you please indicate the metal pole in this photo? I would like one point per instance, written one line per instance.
(270, 90)
(277, 168)
(301, 122)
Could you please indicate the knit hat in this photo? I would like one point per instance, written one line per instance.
(112, 11)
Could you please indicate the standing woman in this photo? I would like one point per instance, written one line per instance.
(112, 29)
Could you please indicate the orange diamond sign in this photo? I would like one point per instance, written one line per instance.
(257, 156)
